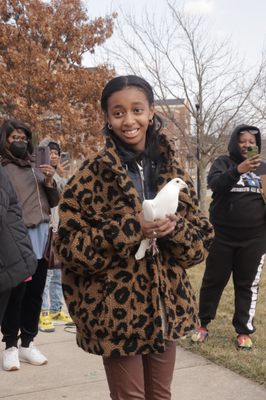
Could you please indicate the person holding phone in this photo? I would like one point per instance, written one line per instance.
(37, 193)
(52, 305)
(238, 214)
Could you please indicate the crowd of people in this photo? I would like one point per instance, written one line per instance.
(126, 309)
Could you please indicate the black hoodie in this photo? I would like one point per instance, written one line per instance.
(237, 210)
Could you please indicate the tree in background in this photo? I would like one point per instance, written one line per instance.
(181, 59)
(43, 81)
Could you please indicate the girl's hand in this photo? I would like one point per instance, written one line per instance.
(250, 164)
(158, 228)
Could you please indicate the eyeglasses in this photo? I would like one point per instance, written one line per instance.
(16, 138)
(252, 131)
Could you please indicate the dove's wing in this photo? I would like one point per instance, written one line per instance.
(148, 210)
(166, 201)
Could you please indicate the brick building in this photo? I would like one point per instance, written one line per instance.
(177, 124)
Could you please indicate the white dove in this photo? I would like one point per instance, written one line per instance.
(165, 202)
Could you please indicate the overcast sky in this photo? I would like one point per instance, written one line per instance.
(243, 20)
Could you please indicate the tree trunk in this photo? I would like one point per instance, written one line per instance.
(203, 189)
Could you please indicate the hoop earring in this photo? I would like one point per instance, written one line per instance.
(151, 121)
(109, 126)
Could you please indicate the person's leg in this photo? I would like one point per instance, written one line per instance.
(46, 297)
(11, 321)
(10, 328)
(158, 373)
(45, 322)
(219, 266)
(58, 316)
(32, 303)
(56, 294)
(246, 277)
(4, 297)
(146, 377)
(125, 377)
(30, 315)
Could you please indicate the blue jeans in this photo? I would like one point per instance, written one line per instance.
(52, 299)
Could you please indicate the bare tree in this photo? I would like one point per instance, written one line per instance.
(181, 59)
(257, 102)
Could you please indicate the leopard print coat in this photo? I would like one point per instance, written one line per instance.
(114, 299)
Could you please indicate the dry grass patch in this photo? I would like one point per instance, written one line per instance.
(220, 346)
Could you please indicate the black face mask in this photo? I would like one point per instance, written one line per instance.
(19, 149)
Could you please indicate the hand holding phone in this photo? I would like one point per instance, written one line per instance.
(42, 156)
(251, 162)
(65, 160)
(252, 151)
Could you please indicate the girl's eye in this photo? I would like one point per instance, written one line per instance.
(138, 110)
(118, 113)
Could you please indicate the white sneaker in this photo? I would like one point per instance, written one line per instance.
(31, 355)
(10, 359)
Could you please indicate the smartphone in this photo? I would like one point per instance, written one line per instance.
(42, 155)
(252, 151)
(65, 156)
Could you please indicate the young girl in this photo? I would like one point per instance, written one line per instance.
(130, 311)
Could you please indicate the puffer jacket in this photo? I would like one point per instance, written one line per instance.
(17, 260)
(113, 298)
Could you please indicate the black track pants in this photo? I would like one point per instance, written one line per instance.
(4, 298)
(245, 261)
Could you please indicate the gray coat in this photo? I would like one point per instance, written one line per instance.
(17, 260)
(34, 196)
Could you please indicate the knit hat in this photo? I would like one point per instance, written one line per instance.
(51, 144)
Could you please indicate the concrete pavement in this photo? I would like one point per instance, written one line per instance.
(73, 374)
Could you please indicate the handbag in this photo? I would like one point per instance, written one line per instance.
(48, 254)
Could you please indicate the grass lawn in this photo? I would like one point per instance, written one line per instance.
(220, 345)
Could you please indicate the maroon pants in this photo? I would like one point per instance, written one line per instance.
(146, 377)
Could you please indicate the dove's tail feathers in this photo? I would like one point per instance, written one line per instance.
(144, 245)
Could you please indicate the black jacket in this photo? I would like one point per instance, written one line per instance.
(17, 260)
(237, 210)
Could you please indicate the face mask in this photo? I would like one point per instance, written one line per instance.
(19, 149)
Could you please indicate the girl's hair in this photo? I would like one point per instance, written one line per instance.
(11, 125)
(120, 83)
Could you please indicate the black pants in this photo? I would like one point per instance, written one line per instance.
(23, 309)
(4, 297)
(244, 260)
